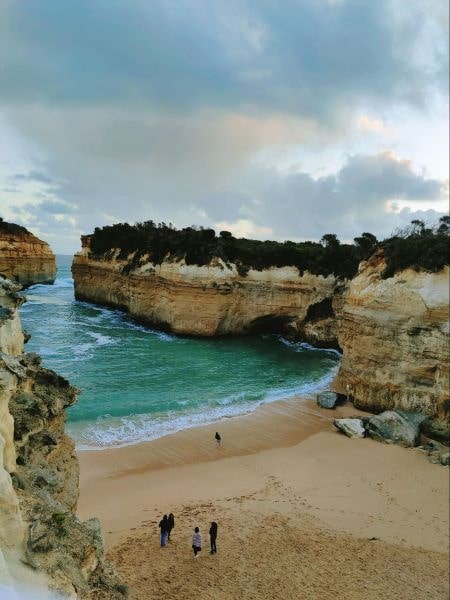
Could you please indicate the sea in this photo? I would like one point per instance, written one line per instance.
(137, 383)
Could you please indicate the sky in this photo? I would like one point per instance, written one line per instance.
(271, 119)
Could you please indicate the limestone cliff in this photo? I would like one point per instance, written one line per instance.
(394, 335)
(42, 542)
(206, 300)
(393, 331)
(24, 258)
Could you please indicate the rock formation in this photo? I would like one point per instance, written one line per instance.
(394, 335)
(42, 542)
(207, 300)
(393, 331)
(24, 258)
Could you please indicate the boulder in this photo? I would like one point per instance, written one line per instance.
(444, 459)
(327, 399)
(391, 427)
(436, 430)
(353, 428)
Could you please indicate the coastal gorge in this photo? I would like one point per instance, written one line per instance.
(44, 548)
(24, 258)
(384, 305)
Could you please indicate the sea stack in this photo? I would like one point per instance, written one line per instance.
(24, 258)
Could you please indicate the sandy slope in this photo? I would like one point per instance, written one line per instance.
(295, 521)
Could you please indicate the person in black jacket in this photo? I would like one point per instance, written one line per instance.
(163, 526)
(170, 525)
(213, 537)
(218, 439)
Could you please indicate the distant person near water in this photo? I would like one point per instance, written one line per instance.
(170, 525)
(196, 542)
(213, 537)
(218, 439)
(163, 525)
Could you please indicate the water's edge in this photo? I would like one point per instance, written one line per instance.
(139, 384)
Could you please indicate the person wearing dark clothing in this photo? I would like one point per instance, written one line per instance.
(218, 439)
(163, 525)
(213, 537)
(170, 525)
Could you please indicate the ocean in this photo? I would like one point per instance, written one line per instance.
(137, 383)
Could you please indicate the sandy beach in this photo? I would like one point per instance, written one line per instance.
(303, 511)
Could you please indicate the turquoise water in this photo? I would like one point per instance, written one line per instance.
(138, 383)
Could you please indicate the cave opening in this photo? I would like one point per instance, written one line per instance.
(270, 324)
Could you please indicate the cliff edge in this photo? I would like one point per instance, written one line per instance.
(24, 258)
(394, 335)
(44, 547)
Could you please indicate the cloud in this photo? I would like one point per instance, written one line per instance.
(260, 116)
(303, 57)
(31, 176)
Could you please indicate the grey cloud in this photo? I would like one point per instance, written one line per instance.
(32, 176)
(55, 207)
(348, 202)
(307, 58)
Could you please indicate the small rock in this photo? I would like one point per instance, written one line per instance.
(353, 428)
(327, 399)
(444, 459)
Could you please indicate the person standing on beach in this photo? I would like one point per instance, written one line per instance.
(164, 528)
(218, 439)
(170, 525)
(213, 537)
(196, 542)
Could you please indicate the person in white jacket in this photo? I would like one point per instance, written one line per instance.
(196, 542)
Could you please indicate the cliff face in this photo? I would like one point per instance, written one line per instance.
(42, 542)
(394, 334)
(24, 258)
(201, 300)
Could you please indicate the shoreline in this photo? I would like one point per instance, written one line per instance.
(291, 495)
(330, 381)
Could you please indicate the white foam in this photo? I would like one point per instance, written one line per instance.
(109, 431)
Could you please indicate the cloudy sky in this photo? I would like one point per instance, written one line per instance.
(273, 119)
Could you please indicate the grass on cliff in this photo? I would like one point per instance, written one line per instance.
(417, 247)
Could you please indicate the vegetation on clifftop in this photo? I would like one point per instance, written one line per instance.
(12, 228)
(417, 247)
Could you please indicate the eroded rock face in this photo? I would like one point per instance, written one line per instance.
(39, 476)
(24, 258)
(394, 334)
(206, 300)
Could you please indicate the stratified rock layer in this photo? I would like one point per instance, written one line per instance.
(24, 258)
(39, 477)
(394, 332)
(205, 300)
(394, 335)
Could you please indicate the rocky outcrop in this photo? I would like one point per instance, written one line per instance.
(327, 399)
(351, 427)
(394, 335)
(208, 300)
(24, 258)
(392, 427)
(40, 536)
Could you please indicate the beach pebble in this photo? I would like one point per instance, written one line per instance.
(353, 428)
(327, 399)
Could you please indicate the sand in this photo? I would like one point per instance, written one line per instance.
(303, 511)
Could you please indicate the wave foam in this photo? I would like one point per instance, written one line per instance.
(116, 432)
